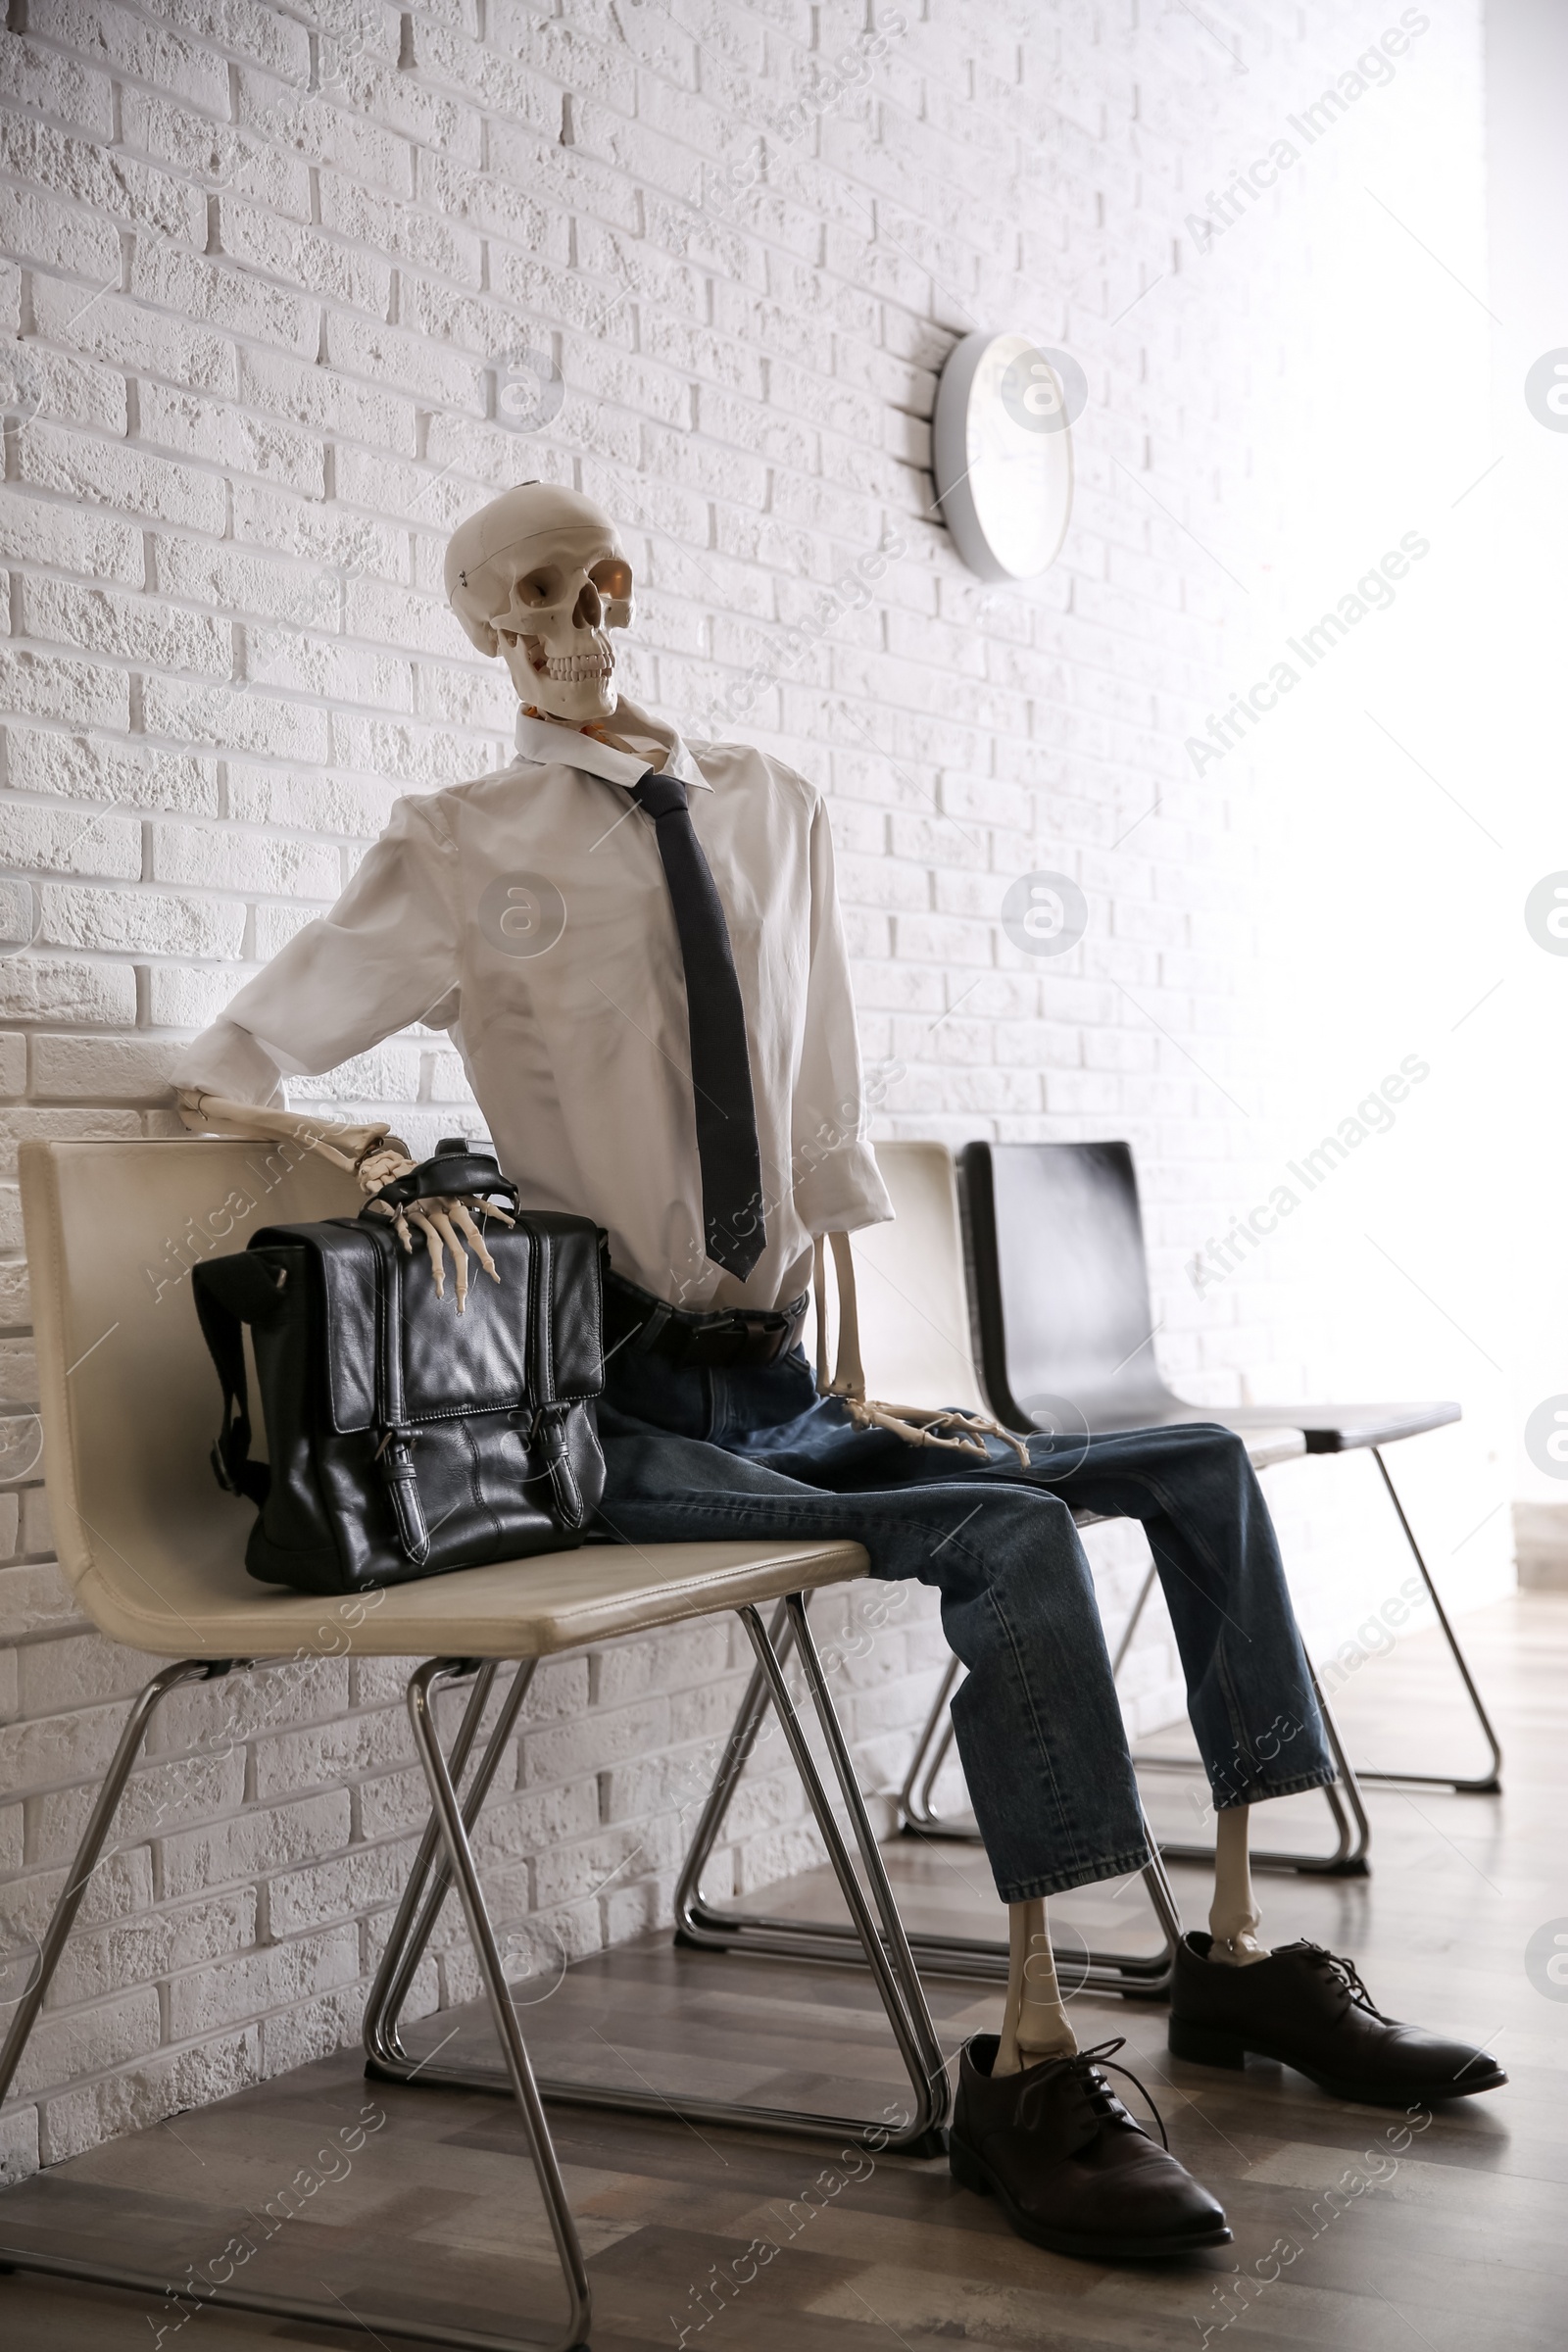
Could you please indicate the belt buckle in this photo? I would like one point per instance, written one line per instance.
(647, 1335)
(764, 1333)
(722, 1342)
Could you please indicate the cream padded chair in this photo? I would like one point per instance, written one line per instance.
(154, 1552)
(914, 1300)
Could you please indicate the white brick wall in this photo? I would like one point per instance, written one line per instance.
(260, 262)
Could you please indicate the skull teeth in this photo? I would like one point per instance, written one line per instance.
(566, 669)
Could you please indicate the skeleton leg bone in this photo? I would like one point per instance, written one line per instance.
(1234, 1918)
(1034, 2023)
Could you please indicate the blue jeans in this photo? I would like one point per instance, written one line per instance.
(702, 1454)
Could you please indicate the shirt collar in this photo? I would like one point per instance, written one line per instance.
(543, 742)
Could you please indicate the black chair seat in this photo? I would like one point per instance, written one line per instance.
(1326, 1428)
(1059, 1295)
(1060, 1281)
(1338, 1428)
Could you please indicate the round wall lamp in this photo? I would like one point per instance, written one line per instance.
(1001, 452)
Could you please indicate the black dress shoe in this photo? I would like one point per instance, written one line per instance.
(1310, 2010)
(1068, 2166)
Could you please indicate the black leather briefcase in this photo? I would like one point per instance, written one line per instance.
(404, 1440)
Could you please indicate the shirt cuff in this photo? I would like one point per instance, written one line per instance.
(227, 1061)
(843, 1192)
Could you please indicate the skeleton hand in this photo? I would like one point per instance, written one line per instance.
(446, 1220)
(375, 1159)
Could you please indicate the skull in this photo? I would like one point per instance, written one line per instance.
(538, 576)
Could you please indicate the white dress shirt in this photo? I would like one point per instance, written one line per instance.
(527, 914)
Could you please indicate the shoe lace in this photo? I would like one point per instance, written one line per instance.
(1348, 1974)
(1086, 2066)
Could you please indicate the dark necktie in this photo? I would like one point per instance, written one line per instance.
(734, 1233)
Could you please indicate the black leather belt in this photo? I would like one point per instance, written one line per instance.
(642, 1324)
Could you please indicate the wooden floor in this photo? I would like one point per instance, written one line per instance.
(1457, 2241)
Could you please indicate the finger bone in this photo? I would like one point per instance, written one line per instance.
(460, 1256)
(475, 1238)
(433, 1244)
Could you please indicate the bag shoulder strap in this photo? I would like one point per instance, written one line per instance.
(229, 1293)
(395, 1451)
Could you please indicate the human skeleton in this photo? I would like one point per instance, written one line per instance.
(539, 577)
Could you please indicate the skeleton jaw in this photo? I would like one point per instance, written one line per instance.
(574, 684)
(595, 661)
(568, 685)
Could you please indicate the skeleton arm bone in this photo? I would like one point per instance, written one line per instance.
(374, 1156)
(916, 1425)
(345, 1146)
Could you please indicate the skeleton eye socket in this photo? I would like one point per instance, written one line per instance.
(611, 578)
(540, 588)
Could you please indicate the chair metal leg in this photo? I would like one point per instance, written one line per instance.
(877, 1939)
(189, 1670)
(1346, 1808)
(386, 2060)
(1488, 1783)
(422, 1687)
(697, 1925)
(1349, 1860)
(152, 2285)
(701, 1924)
(916, 1812)
(881, 1935)
(1355, 1863)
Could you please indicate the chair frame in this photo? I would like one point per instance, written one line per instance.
(445, 1855)
(1485, 1783)
(701, 1926)
(876, 1932)
(918, 1817)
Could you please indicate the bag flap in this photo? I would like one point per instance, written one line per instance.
(476, 1363)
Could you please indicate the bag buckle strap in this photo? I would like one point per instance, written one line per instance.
(548, 1437)
(395, 1453)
